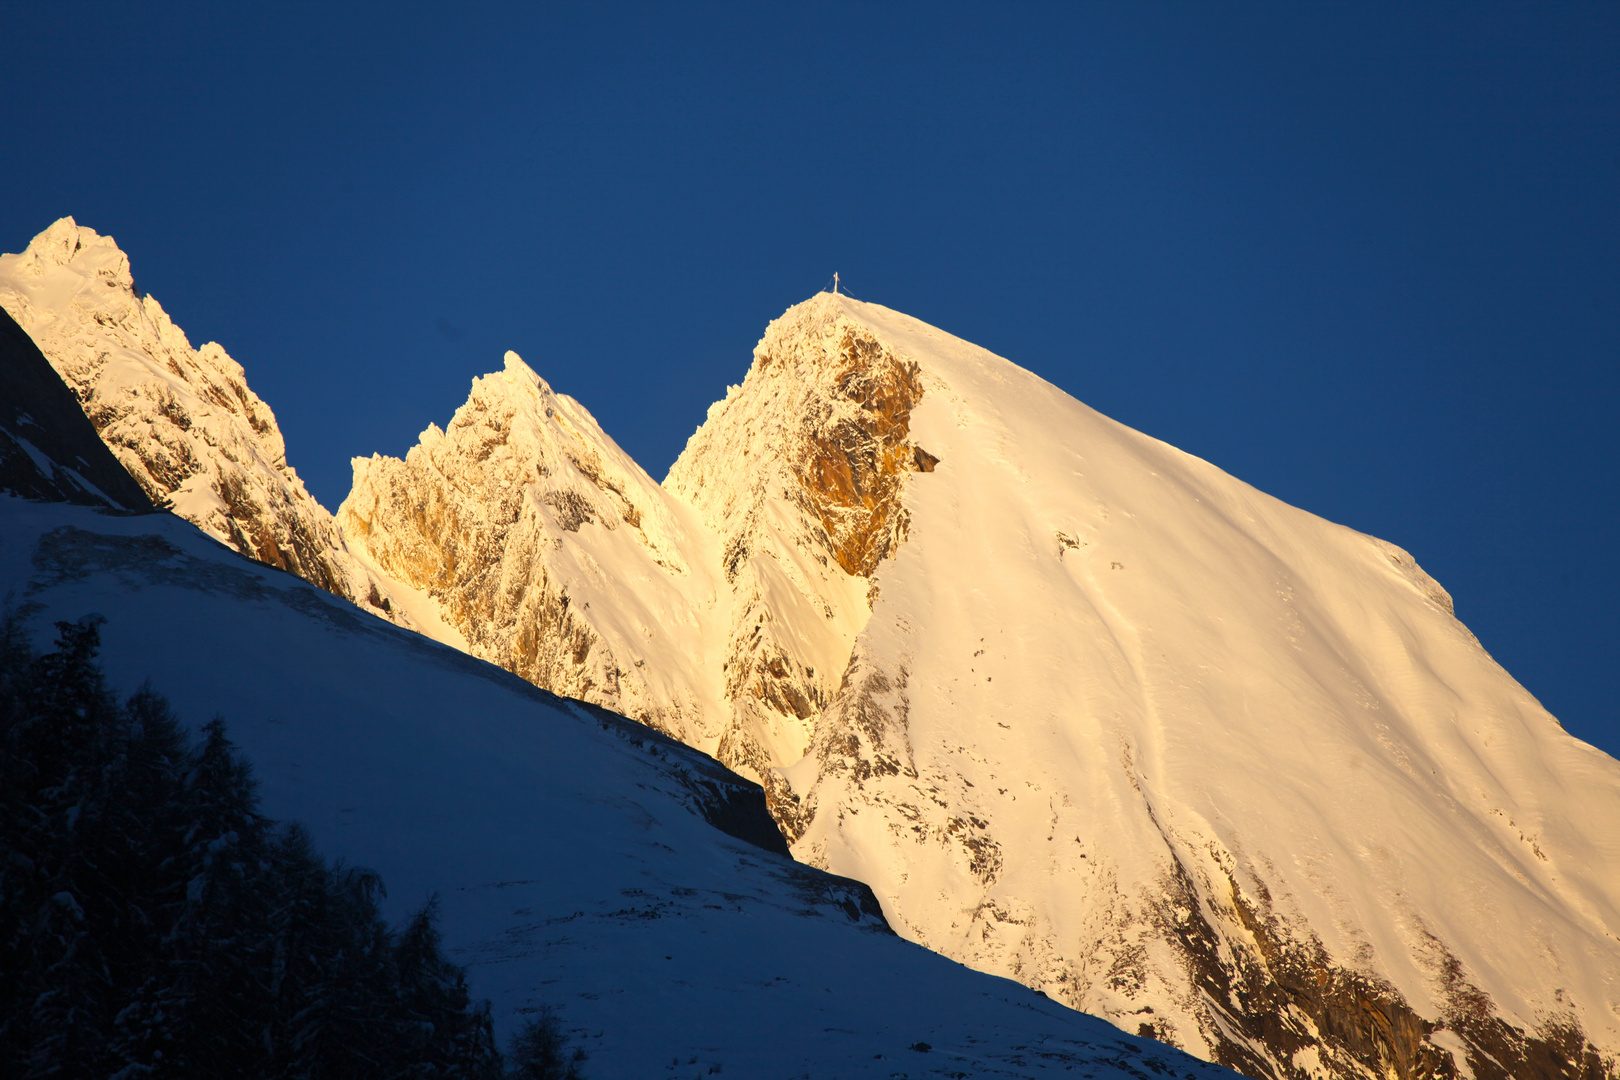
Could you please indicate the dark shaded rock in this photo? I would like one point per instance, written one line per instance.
(49, 450)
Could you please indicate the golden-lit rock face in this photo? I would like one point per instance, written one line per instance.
(800, 473)
(857, 460)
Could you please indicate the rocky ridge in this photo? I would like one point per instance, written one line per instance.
(719, 607)
(181, 420)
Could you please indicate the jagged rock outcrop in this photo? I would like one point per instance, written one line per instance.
(799, 473)
(181, 420)
(551, 552)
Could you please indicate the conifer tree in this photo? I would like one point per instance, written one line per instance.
(154, 923)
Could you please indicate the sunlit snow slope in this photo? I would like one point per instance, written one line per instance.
(581, 861)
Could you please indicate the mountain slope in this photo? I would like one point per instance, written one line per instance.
(581, 860)
(1085, 710)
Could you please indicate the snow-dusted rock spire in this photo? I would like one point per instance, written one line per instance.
(551, 552)
(182, 420)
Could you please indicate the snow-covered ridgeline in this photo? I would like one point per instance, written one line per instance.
(182, 420)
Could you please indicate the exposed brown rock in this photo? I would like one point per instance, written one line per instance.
(1267, 988)
(856, 459)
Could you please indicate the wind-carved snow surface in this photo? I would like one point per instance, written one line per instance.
(183, 421)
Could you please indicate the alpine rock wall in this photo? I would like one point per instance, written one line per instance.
(552, 553)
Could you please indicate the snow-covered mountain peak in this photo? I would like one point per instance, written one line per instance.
(67, 242)
(1127, 729)
(516, 370)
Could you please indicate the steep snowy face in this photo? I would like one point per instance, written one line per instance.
(181, 420)
(552, 553)
(1136, 734)
(799, 472)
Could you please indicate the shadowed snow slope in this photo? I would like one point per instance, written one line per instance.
(581, 860)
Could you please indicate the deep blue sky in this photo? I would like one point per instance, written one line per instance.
(1365, 257)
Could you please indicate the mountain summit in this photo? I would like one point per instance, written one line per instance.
(1127, 729)
(181, 420)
